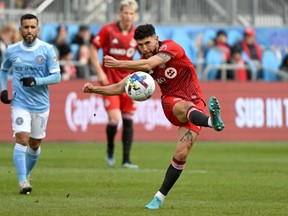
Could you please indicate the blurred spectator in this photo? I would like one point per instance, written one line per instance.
(221, 42)
(83, 38)
(68, 69)
(249, 45)
(16, 37)
(251, 49)
(241, 73)
(284, 65)
(61, 36)
(7, 33)
(23, 4)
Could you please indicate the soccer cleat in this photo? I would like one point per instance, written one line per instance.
(110, 161)
(156, 203)
(214, 108)
(130, 166)
(25, 187)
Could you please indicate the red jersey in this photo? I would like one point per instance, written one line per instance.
(114, 43)
(178, 77)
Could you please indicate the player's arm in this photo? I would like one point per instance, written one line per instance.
(4, 79)
(4, 91)
(137, 65)
(5, 67)
(99, 41)
(110, 90)
(102, 78)
(53, 78)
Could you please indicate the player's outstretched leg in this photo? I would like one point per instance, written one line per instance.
(214, 108)
(156, 203)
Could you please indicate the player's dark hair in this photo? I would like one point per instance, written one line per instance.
(28, 16)
(144, 31)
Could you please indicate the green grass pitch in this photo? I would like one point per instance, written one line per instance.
(239, 179)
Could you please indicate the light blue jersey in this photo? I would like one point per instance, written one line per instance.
(38, 60)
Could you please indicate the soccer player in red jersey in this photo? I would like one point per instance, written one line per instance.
(116, 39)
(182, 98)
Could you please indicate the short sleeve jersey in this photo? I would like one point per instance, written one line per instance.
(114, 43)
(178, 77)
(37, 60)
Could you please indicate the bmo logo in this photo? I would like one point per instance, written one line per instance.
(170, 73)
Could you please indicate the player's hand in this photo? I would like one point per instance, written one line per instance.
(87, 88)
(28, 81)
(4, 97)
(110, 62)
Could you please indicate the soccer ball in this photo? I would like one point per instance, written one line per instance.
(140, 86)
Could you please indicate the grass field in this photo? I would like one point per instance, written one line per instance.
(220, 179)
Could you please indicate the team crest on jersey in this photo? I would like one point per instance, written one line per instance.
(130, 52)
(19, 121)
(170, 73)
(163, 47)
(39, 59)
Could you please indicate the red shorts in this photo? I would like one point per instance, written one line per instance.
(122, 102)
(168, 103)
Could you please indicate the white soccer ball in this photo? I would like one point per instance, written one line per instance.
(140, 86)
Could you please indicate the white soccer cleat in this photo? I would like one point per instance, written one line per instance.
(25, 187)
(130, 166)
(110, 161)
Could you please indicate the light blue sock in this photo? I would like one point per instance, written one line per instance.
(31, 159)
(19, 157)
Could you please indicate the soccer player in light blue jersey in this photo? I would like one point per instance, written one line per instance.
(34, 66)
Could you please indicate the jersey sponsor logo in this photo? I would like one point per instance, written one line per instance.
(19, 121)
(39, 59)
(122, 52)
(170, 73)
(117, 51)
(163, 47)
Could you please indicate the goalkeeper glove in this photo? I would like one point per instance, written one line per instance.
(4, 97)
(28, 81)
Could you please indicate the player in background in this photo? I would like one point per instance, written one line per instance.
(182, 98)
(116, 39)
(34, 66)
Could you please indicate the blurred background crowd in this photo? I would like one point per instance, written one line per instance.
(244, 40)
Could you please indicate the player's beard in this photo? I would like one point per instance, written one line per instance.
(29, 38)
(150, 54)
